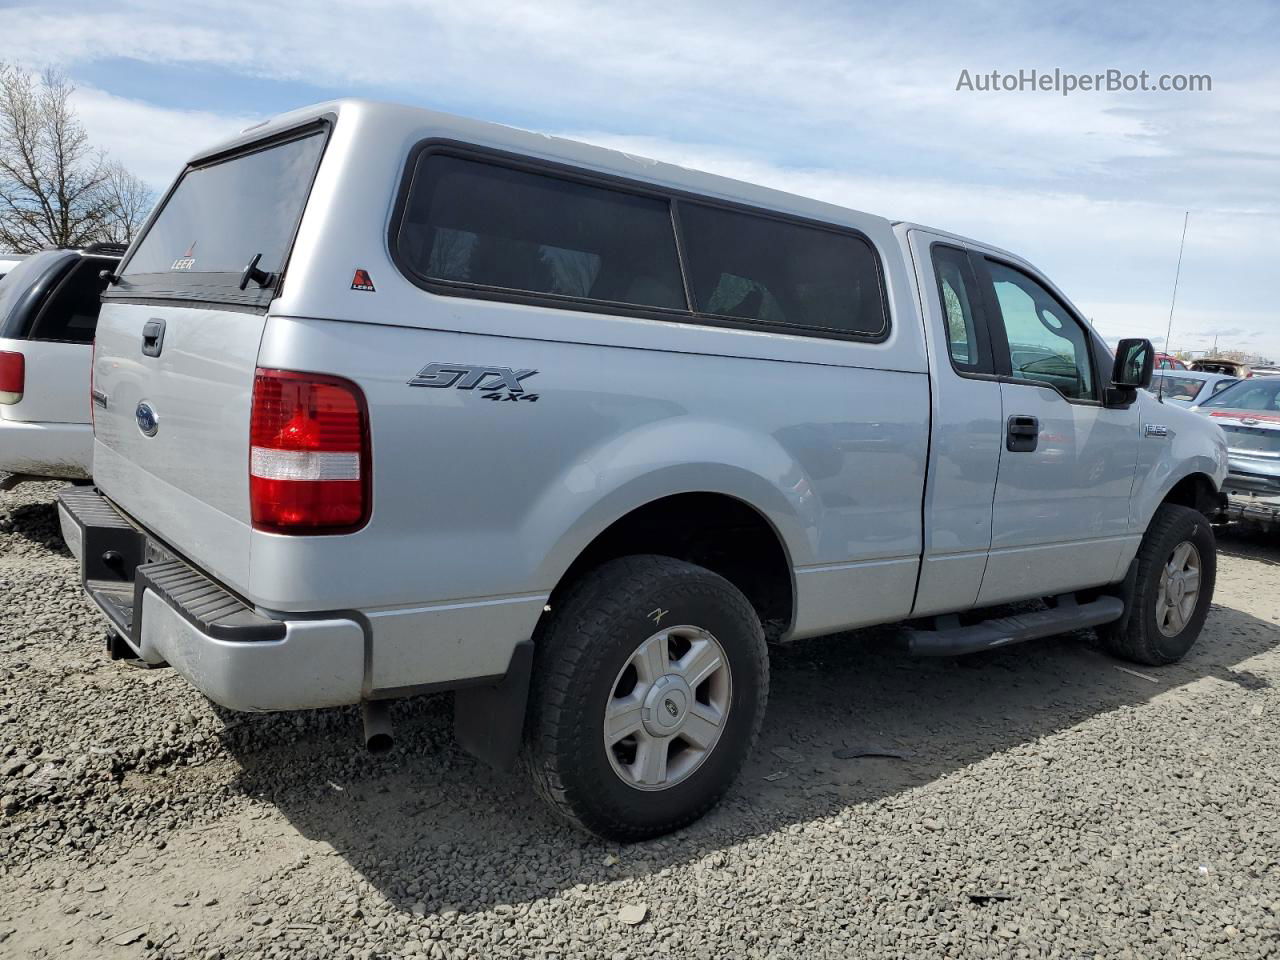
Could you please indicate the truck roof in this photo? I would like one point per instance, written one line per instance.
(402, 126)
(416, 123)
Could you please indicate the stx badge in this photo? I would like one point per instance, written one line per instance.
(494, 383)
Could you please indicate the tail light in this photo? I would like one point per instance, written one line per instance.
(13, 376)
(309, 456)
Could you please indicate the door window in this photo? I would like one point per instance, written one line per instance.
(1046, 344)
(1176, 388)
(958, 294)
(1220, 386)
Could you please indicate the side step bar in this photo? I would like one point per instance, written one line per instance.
(953, 640)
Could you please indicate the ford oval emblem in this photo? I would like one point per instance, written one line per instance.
(148, 422)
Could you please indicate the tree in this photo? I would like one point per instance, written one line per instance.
(55, 189)
(128, 201)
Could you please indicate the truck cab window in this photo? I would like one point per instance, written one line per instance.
(957, 291)
(1046, 344)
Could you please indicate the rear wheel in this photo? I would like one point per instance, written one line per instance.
(650, 681)
(1168, 590)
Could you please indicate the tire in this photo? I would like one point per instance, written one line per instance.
(1148, 633)
(597, 653)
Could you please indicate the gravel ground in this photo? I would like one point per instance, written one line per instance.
(1047, 802)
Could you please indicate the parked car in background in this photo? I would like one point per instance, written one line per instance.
(1249, 414)
(7, 262)
(1188, 387)
(438, 404)
(1166, 362)
(1223, 365)
(48, 313)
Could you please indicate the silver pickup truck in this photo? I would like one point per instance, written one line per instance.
(390, 402)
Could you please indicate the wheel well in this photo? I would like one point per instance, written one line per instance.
(712, 530)
(1197, 492)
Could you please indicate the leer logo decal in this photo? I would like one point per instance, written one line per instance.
(503, 383)
(187, 260)
(362, 281)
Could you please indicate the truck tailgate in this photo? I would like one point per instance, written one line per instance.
(172, 431)
(177, 347)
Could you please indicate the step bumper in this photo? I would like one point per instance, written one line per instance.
(169, 612)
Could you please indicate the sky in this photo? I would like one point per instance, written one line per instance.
(852, 103)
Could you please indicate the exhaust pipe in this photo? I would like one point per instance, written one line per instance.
(377, 726)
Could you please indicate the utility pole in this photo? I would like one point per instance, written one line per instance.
(1178, 273)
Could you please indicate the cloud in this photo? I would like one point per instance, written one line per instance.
(833, 82)
(151, 141)
(846, 102)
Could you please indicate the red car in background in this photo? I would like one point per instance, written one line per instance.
(1164, 361)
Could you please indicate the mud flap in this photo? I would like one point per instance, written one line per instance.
(488, 721)
(1124, 590)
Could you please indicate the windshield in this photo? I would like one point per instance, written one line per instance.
(219, 217)
(1260, 394)
(1176, 388)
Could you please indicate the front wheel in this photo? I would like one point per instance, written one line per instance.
(1168, 590)
(650, 681)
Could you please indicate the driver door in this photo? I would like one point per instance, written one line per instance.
(1060, 514)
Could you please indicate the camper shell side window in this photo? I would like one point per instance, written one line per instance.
(489, 225)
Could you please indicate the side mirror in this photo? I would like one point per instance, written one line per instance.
(1135, 360)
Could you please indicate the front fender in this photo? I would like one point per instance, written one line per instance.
(1193, 445)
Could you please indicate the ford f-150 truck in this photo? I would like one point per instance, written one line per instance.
(389, 402)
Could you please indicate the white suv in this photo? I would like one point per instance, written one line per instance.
(48, 313)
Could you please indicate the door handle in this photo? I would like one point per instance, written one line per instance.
(152, 338)
(1023, 434)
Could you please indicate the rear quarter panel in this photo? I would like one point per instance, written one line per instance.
(477, 498)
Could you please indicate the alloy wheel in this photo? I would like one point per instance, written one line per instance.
(1179, 589)
(667, 707)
